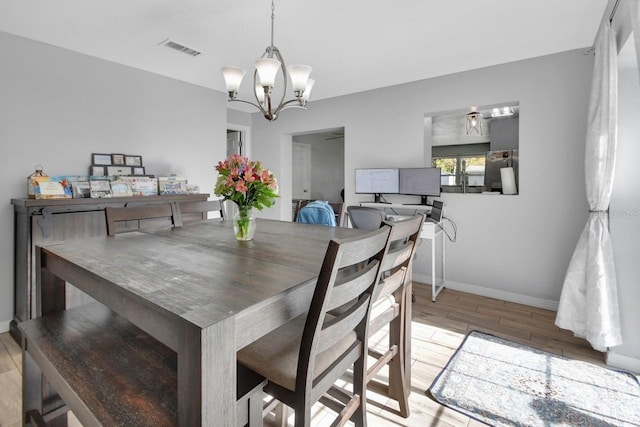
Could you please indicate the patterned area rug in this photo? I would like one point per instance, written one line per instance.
(502, 383)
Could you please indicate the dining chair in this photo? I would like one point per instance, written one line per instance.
(390, 300)
(135, 218)
(338, 210)
(302, 359)
(191, 212)
(316, 212)
(365, 217)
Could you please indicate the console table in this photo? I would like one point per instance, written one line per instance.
(432, 233)
(40, 222)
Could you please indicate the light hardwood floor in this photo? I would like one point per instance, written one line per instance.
(438, 329)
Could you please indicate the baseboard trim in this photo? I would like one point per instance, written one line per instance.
(620, 361)
(4, 326)
(493, 293)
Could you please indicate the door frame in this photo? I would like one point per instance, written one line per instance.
(246, 137)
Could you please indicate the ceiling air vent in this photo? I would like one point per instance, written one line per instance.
(180, 47)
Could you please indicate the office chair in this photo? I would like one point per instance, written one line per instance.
(365, 218)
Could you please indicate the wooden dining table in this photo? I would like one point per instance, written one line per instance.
(198, 291)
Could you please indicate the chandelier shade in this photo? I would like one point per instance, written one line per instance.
(233, 78)
(264, 81)
(267, 69)
(473, 122)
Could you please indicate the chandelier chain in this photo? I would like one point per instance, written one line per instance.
(273, 18)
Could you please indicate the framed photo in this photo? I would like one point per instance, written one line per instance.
(118, 170)
(144, 186)
(133, 160)
(97, 171)
(138, 170)
(117, 159)
(100, 188)
(121, 188)
(172, 185)
(51, 187)
(101, 159)
(81, 189)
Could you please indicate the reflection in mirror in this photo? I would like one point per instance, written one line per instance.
(476, 149)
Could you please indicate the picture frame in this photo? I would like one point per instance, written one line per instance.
(138, 170)
(133, 160)
(118, 170)
(97, 170)
(100, 159)
(144, 186)
(172, 185)
(51, 187)
(100, 188)
(117, 159)
(121, 188)
(81, 189)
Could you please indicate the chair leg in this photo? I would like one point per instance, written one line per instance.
(398, 387)
(303, 416)
(255, 410)
(360, 388)
(282, 414)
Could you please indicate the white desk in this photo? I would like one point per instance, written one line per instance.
(431, 233)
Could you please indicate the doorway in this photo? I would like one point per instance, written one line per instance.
(238, 140)
(318, 165)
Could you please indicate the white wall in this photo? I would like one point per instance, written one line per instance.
(512, 247)
(57, 107)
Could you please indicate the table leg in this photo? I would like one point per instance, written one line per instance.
(50, 290)
(207, 375)
(37, 395)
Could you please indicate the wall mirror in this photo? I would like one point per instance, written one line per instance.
(476, 149)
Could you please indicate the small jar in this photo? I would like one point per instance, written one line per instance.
(38, 172)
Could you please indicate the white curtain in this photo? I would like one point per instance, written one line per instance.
(589, 300)
(635, 26)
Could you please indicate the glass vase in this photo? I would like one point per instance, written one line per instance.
(244, 223)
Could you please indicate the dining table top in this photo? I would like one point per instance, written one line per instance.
(200, 272)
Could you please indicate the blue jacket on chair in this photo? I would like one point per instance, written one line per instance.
(317, 212)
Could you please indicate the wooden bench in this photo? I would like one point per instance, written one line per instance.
(108, 372)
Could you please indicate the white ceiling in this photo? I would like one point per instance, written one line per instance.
(353, 45)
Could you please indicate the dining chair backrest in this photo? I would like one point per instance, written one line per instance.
(137, 218)
(402, 245)
(365, 217)
(338, 209)
(324, 331)
(191, 212)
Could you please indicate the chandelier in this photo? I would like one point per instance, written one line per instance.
(264, 78)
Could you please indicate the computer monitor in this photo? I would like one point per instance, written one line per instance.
(377, 182)
(423, 182)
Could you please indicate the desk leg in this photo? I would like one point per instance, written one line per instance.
(444, 259)
(433, 268)
(207, 375)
